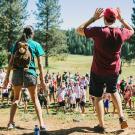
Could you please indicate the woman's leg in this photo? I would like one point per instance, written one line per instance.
(17, 92)
(34, 97)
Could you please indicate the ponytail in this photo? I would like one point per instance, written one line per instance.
(23, 38)
(27, 33)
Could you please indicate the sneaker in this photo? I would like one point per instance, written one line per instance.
(11, 126)
(123, 123)
(99, 129)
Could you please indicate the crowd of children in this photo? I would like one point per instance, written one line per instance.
(68, 92)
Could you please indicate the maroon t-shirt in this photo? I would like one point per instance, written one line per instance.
(107, 48)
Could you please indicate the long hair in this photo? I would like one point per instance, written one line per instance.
(27, 33)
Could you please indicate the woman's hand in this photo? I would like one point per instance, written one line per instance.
(43, 86)
(5, 83)
(98, 13)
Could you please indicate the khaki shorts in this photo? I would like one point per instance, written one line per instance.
(23, 78)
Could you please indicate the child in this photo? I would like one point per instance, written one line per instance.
(133, 96)
(78, 94)
(25, 98)
(61, 93)
(72, 98)
(128, 95)
(83, 99)
(51, 91)
(92, 100)
(123, 85)
(43, 98)
(106, 99)
(83, 82)
(5, 94)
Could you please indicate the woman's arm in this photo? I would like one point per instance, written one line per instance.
(41, 75)
(97, 15)
(6, 80)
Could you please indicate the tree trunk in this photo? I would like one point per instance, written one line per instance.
(46, 60)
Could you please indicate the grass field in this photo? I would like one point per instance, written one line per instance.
(69, 123)
(82, 64)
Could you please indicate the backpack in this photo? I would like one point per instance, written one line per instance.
(22, 56)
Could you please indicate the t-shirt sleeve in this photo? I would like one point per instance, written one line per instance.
(92, 32)
(39, 50)
(126, 34)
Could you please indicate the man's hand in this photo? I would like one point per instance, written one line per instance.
(98, 13)
(119, 17)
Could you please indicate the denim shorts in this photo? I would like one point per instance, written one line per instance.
(23, 78)
(97, 84)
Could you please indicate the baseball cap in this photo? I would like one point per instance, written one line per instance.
(110, 14)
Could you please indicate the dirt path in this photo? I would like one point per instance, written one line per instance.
(63, 124)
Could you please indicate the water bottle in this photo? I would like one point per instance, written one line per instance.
(36, 130)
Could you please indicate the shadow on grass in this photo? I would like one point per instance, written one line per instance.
(117, 132)
(82, 130)
(65, 131)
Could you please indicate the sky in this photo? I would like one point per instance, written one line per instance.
(75, 12)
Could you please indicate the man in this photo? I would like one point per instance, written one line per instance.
(106, 60)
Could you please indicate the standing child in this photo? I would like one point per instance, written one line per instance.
(133, 97)
(51, 91)
(61, 93)
(72, 99)
(106, 99)
(83, 99)
(92, 100)
(25, 98)
(78, 94)
(127, 96)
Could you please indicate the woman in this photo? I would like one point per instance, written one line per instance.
(26, 78)
(106, 63)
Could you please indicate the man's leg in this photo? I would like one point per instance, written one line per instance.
(117, 103)
(100, 110)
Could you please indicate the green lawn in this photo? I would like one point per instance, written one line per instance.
(81, 64)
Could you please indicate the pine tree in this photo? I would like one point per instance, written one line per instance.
(12, 16)
(49, 18)
(128, 49)
(78, 44)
